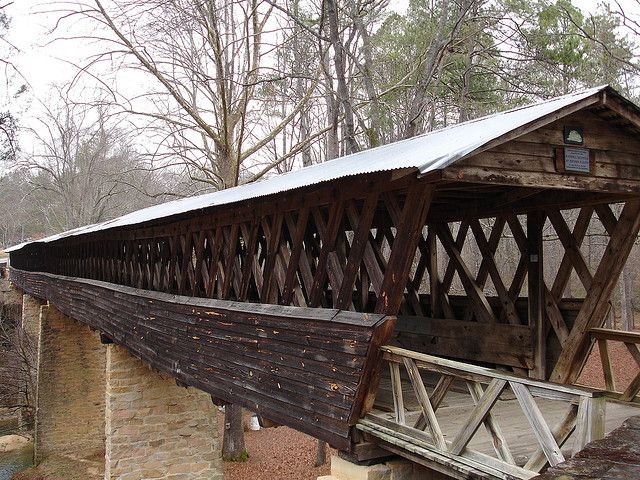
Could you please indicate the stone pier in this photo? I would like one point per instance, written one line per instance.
(98, 404)
(71, 384)
(31, 316)
(154, 428)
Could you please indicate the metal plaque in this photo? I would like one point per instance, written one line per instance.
(577, 160)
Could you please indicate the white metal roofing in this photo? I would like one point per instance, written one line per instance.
(431, 151)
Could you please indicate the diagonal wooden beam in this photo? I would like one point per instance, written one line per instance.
(396, 391)
(414, 283)
(272, 232)
(374, 266)
(566, 264)
(487, 250)
(561, 433)
(571, 246)
(478, 300)
(360, 238)
(607, 217)
(554, 315)
(423, 399)
(493, 242)
(632, 389)
(538, 424)
(436, 398)
(412, 221)
(596, 303)
(185, 248)
(217, 242)
(296, 230)
(497, 437)
(329, 236)
(477, 416)
(439, 297)
(304, 247)
(450, 271)
(483, 272)
(250, 237)
(198, 281)
(231, 243)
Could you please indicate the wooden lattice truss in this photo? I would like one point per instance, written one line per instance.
(375, 245)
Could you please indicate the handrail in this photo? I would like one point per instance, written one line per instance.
(584, 421)
(631, 340)
(616, 335)
(477, 372)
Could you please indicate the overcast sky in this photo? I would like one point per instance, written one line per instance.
(44, 61)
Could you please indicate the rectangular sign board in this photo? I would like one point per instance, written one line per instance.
(577, 160)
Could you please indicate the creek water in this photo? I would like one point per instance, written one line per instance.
(11, 462)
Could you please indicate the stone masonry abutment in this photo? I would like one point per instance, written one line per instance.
(97, 401)
(155, 428)
(70, 411)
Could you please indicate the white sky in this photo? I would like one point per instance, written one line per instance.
(43, 61)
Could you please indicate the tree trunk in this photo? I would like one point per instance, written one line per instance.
(332, 147)
(233, 448)
(321, 453)
(626, 309)
(340, 69)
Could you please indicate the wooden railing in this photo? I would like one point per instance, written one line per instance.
(631, 340)
(421, 432)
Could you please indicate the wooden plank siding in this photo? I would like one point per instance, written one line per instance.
(306, 368)
(530, 159)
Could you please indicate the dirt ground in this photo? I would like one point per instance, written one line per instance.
(624, 367)
(277, 453)
(64, 469)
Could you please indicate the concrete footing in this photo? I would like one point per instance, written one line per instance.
(398, 469)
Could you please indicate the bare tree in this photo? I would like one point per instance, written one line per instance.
(18, 366)
(84, 169)
(207, 105)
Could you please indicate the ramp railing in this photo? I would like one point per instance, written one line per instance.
(631, 340)
(448, 441)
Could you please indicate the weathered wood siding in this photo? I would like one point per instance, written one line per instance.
(311, 369)
(531, 158)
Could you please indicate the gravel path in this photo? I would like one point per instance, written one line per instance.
(277, 454)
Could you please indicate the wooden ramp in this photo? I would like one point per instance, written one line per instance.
(483, 423)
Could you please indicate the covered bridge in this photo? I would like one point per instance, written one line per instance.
(291, 296)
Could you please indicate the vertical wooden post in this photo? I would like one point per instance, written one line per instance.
(535, 275)
(590, 421)
(433, 273)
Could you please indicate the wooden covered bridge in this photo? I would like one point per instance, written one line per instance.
(368, 301)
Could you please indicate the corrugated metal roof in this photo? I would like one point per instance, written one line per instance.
(431, 151)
